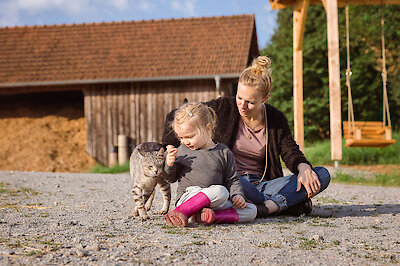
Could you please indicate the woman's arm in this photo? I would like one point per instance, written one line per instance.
(289, 150)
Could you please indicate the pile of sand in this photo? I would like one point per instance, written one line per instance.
(43, 133)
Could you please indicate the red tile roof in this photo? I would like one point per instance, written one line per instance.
(126, 50)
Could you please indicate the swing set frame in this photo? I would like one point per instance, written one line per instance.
(300, 8)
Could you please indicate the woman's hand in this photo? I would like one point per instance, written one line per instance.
(309, 179)
(171, 155)
(239, 202)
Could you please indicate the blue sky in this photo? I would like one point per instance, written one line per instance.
(49, 12)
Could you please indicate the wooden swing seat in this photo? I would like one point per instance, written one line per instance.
(367, 134)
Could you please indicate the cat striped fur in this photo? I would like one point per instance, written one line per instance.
(146, 167)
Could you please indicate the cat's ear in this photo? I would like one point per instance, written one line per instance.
(161, 152)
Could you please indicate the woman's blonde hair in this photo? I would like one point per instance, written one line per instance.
(197, 113)
(258, 75)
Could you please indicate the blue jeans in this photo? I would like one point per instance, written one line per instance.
(281, 190)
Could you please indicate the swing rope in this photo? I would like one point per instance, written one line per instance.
(386, 112)
(350, 110)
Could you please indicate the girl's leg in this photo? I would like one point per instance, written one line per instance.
(217, 194)
(194, 200)
(293, 197)
(227, 214)
(247, 214)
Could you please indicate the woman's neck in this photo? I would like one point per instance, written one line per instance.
(256, 122)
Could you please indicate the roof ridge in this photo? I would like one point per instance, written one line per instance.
(126, 22)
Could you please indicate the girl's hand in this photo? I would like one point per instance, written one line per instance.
(309, 179)
(239, 202)
(171, 155)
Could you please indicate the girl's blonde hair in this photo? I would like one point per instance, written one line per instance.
(197, 113)
(258, 75)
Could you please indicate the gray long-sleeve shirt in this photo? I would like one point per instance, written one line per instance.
(205, 167)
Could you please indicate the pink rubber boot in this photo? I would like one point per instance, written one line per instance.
(180, 215)
(207, 216)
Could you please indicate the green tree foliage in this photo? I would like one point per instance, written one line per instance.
(366, 65)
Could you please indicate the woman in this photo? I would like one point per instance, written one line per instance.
(259, 135)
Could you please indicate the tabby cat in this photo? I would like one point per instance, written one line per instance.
(146, 169)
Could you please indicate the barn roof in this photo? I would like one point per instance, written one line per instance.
(152, 49)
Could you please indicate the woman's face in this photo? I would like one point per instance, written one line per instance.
(249, 101)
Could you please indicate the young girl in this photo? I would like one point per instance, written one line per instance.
(209, 188)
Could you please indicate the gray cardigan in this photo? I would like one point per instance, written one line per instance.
(280, 140)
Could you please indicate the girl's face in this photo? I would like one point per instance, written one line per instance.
(249, 101)
(192, 137)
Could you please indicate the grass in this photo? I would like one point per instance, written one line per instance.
(379, 180)
(110, 170)
(320, 154)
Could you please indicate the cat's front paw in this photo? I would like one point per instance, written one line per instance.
(144, 217)
(135, 212)
(163, 212)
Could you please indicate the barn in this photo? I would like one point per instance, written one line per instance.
(130, 74)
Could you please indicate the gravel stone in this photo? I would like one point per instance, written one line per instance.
(89, 221)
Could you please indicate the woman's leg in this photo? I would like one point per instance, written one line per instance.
(251, 192)
(294, 197)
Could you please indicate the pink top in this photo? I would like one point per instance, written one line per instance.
(249, 150)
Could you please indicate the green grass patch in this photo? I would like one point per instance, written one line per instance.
(392, 180)
(101, 169)
(319, 153)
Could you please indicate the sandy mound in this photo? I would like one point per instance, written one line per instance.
(43, 132)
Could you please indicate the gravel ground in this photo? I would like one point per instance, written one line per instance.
(84, 219)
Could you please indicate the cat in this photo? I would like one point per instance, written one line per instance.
(146, 169)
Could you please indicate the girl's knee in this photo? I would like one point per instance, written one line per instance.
(217, 194)
(323, 176)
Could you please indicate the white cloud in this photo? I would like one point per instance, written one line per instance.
(146, 6)
(186, 7)
(120, 4)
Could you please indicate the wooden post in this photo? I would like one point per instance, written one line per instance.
(299, 21)
(334, 78)
(113, 156)
(122, 149)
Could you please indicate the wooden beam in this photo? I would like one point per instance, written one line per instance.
(334, 80)
(299, 21)
(280, 4)
(301, 7)
(324, 4)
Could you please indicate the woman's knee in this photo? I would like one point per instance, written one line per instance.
(323, 176)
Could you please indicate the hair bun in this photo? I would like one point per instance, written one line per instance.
(260, 65)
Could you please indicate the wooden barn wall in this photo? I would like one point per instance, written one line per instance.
(137, 110)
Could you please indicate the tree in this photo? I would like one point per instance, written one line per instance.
(365, 63)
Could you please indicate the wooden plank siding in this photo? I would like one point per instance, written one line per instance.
(138, 110)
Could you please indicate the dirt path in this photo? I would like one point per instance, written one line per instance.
(83, 219)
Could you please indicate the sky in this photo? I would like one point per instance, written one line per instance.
(50, 12)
